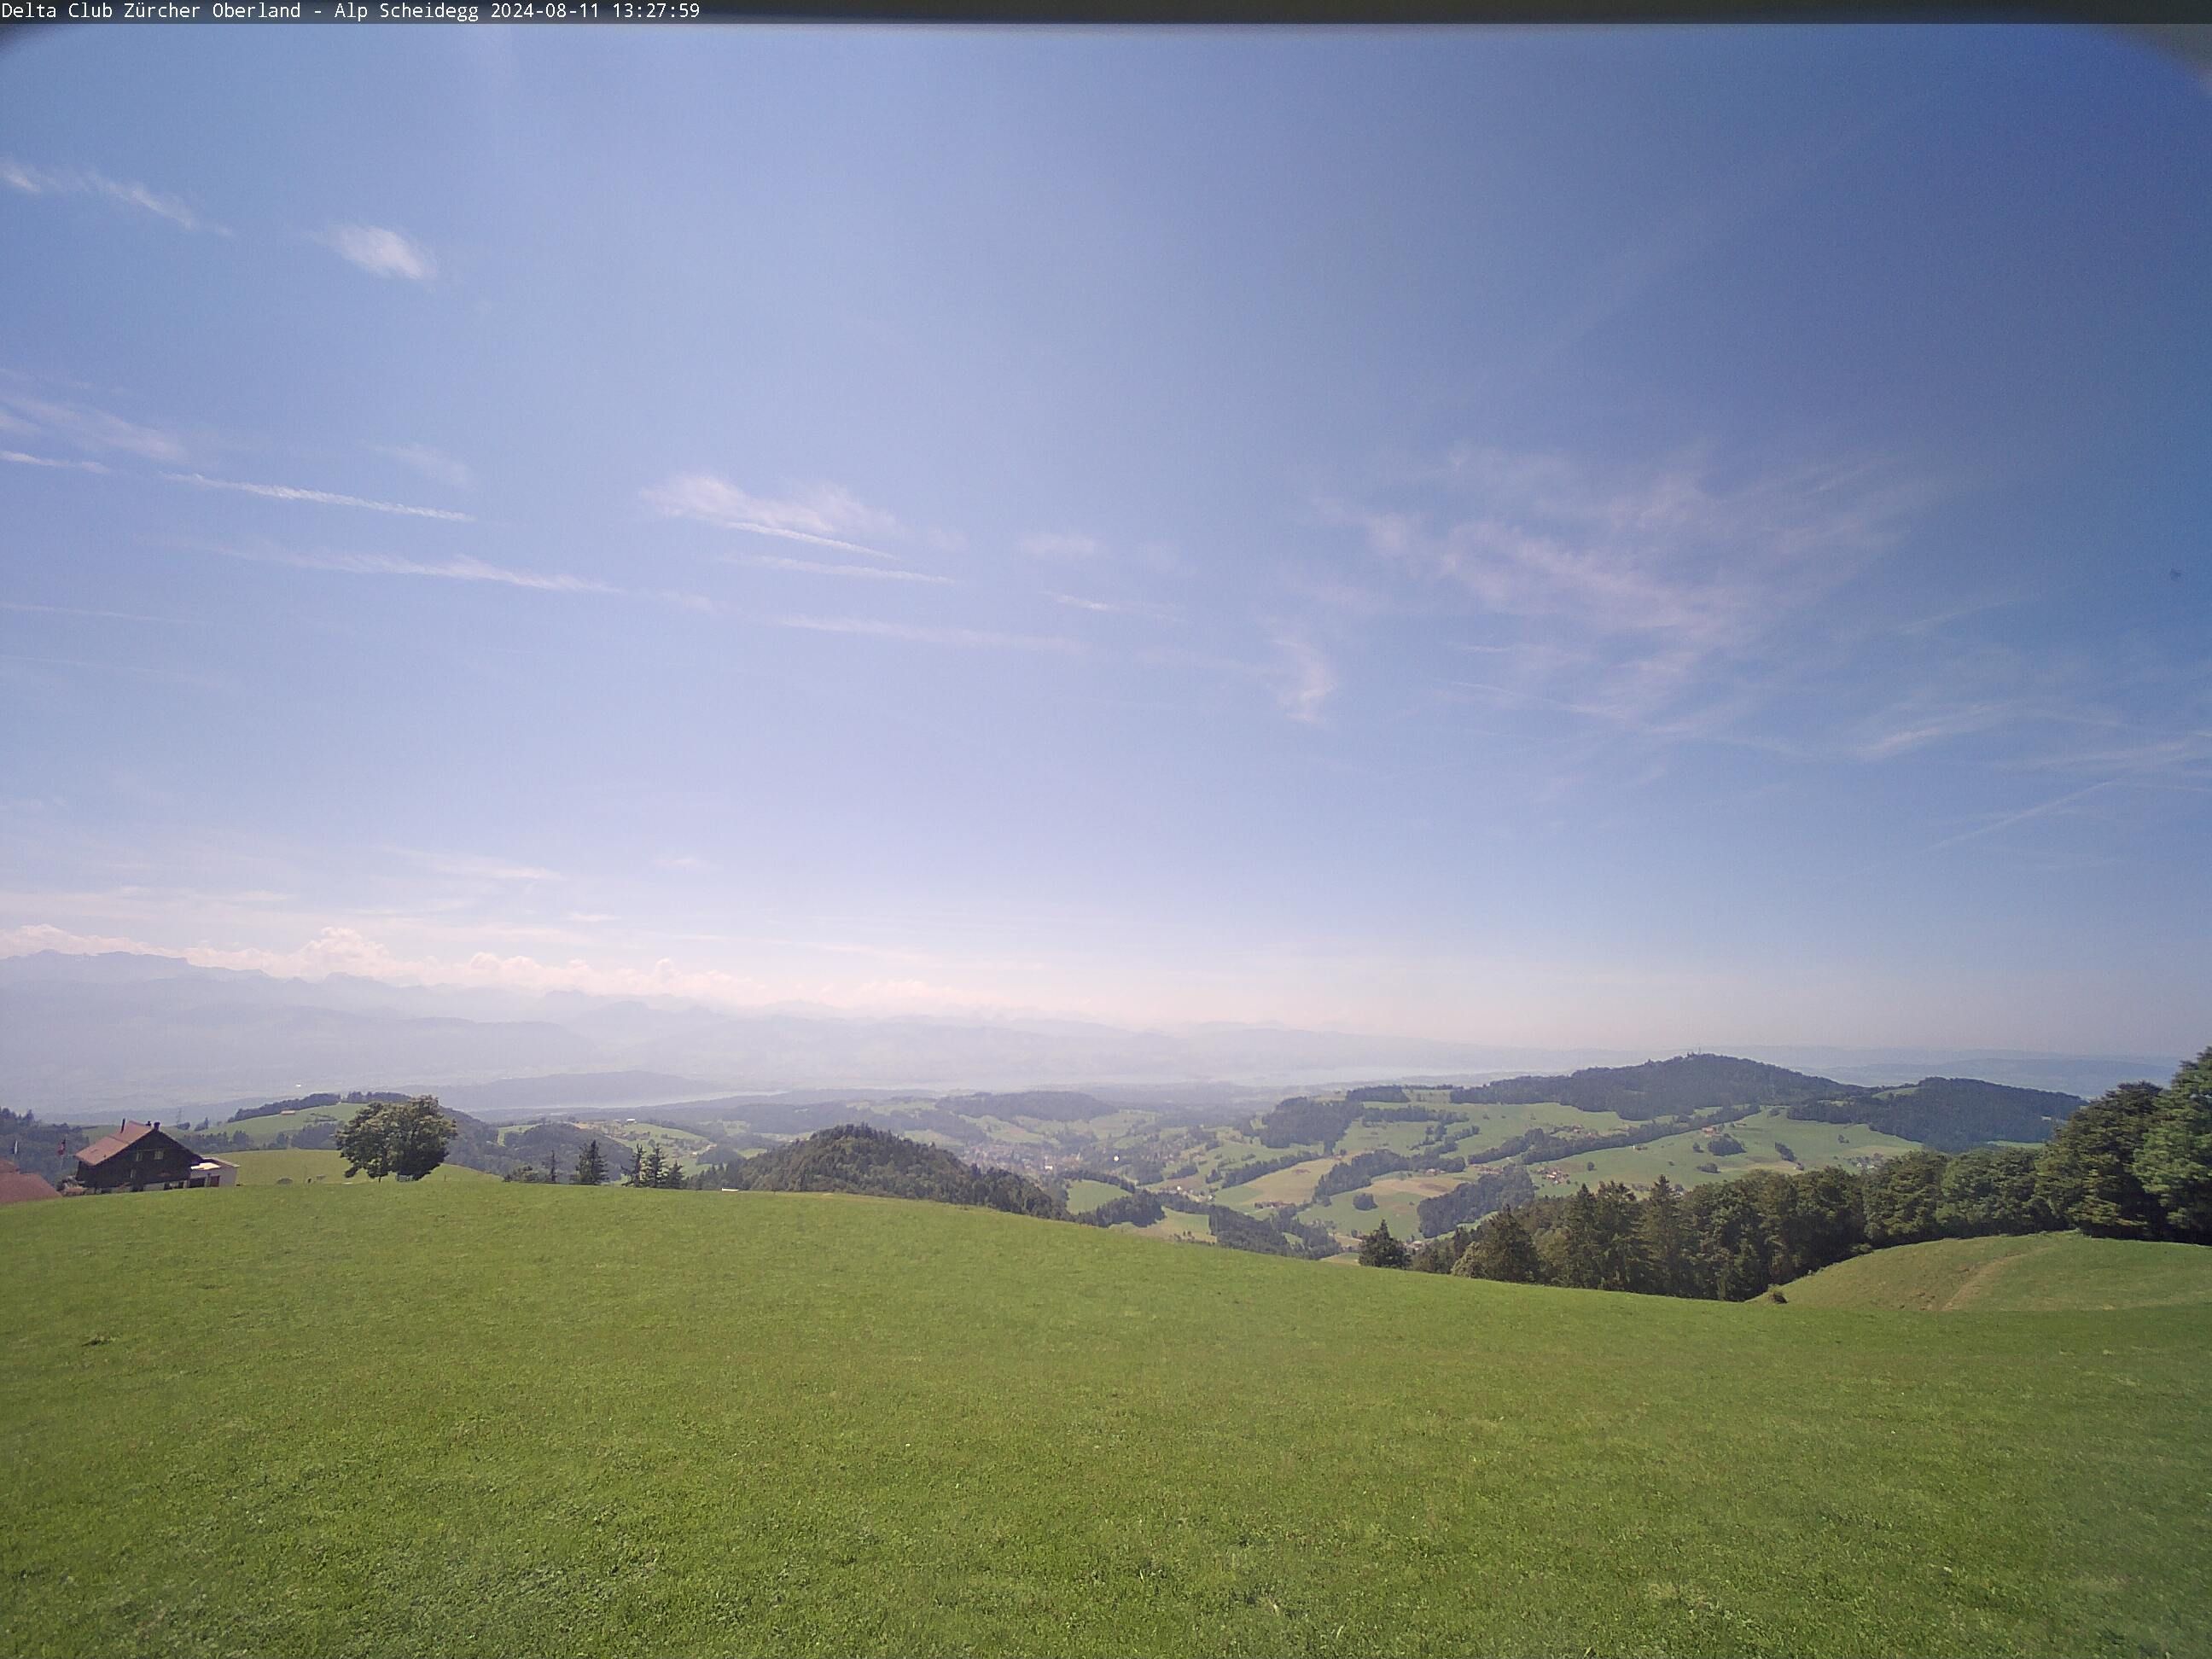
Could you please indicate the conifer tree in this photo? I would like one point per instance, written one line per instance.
(651, 1170)
(590, 1169)
(1581, 1254)
(1665, 1240)
(1379, 1249)
(1503, 1251)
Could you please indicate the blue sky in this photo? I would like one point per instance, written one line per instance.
(1585, 537)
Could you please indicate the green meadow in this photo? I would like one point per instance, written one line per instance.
(474, 1418)
(297, 1166)
(1084, 1196)
(1816, 1145)
(2040, 1272)
(1397, 1201)
(1293, 1186)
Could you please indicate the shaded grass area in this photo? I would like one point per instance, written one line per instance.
(2041, 1272)
(488, 1418)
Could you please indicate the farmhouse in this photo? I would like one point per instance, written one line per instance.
(20, 1186)
(138, 1158)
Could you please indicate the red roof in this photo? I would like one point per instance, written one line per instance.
(16, 1187)
(107, 1145)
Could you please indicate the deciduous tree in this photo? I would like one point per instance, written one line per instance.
(2087, 1175)
(407, 1138)
(2174, 1164)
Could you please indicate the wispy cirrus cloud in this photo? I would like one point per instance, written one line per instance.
(464, 568)
(18, 458)
(318, 497)
(380, 252)
(816, 567)
(104, 615)
(433, 464)
(134, 670)
(1664, 552)
(1060, 544)
(468, 866)
(1305, 679)
(1654, 597)
(87, 427)
(920, 634)
(1295, 672)
(1154, 608)
(87, 181)
(823, 515)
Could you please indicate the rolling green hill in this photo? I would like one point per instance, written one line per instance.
(2040, 1272)
(469, 1418)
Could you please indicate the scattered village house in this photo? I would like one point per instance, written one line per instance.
(138, 1158)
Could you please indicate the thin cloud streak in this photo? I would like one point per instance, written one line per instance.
(1060, 544)
(20, 460)
(815, 568)
(89, 428)
(78, 181)
(433, 464)
(1148, 608)
(978, 639)
(105, 615)
(142, 670)
(1309, 681)
(824, 516)
(319, 497)
(465, 569)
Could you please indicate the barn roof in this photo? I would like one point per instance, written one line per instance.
(18, 1187)
(107, 1145)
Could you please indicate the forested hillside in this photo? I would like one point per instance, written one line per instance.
(1947, 1113)
(854, 1159)
(1661, 1088)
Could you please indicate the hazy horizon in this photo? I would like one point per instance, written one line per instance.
(1579, 539)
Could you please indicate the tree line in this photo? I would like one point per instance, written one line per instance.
(2136, 1163)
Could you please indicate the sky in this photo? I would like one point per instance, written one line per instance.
(1584, 537)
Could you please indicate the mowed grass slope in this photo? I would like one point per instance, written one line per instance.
(2041, 1272)
(480, 1418)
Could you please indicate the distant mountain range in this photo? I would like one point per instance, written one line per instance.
(92, 1036)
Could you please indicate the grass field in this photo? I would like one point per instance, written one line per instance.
(1293, 1186)
(1397, 1201)
(300, 1167)
(484, 1418)
(1084, 1196)
(1816, 1145)
(2042, 1273)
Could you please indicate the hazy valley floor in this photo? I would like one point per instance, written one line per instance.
(476, 1417)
